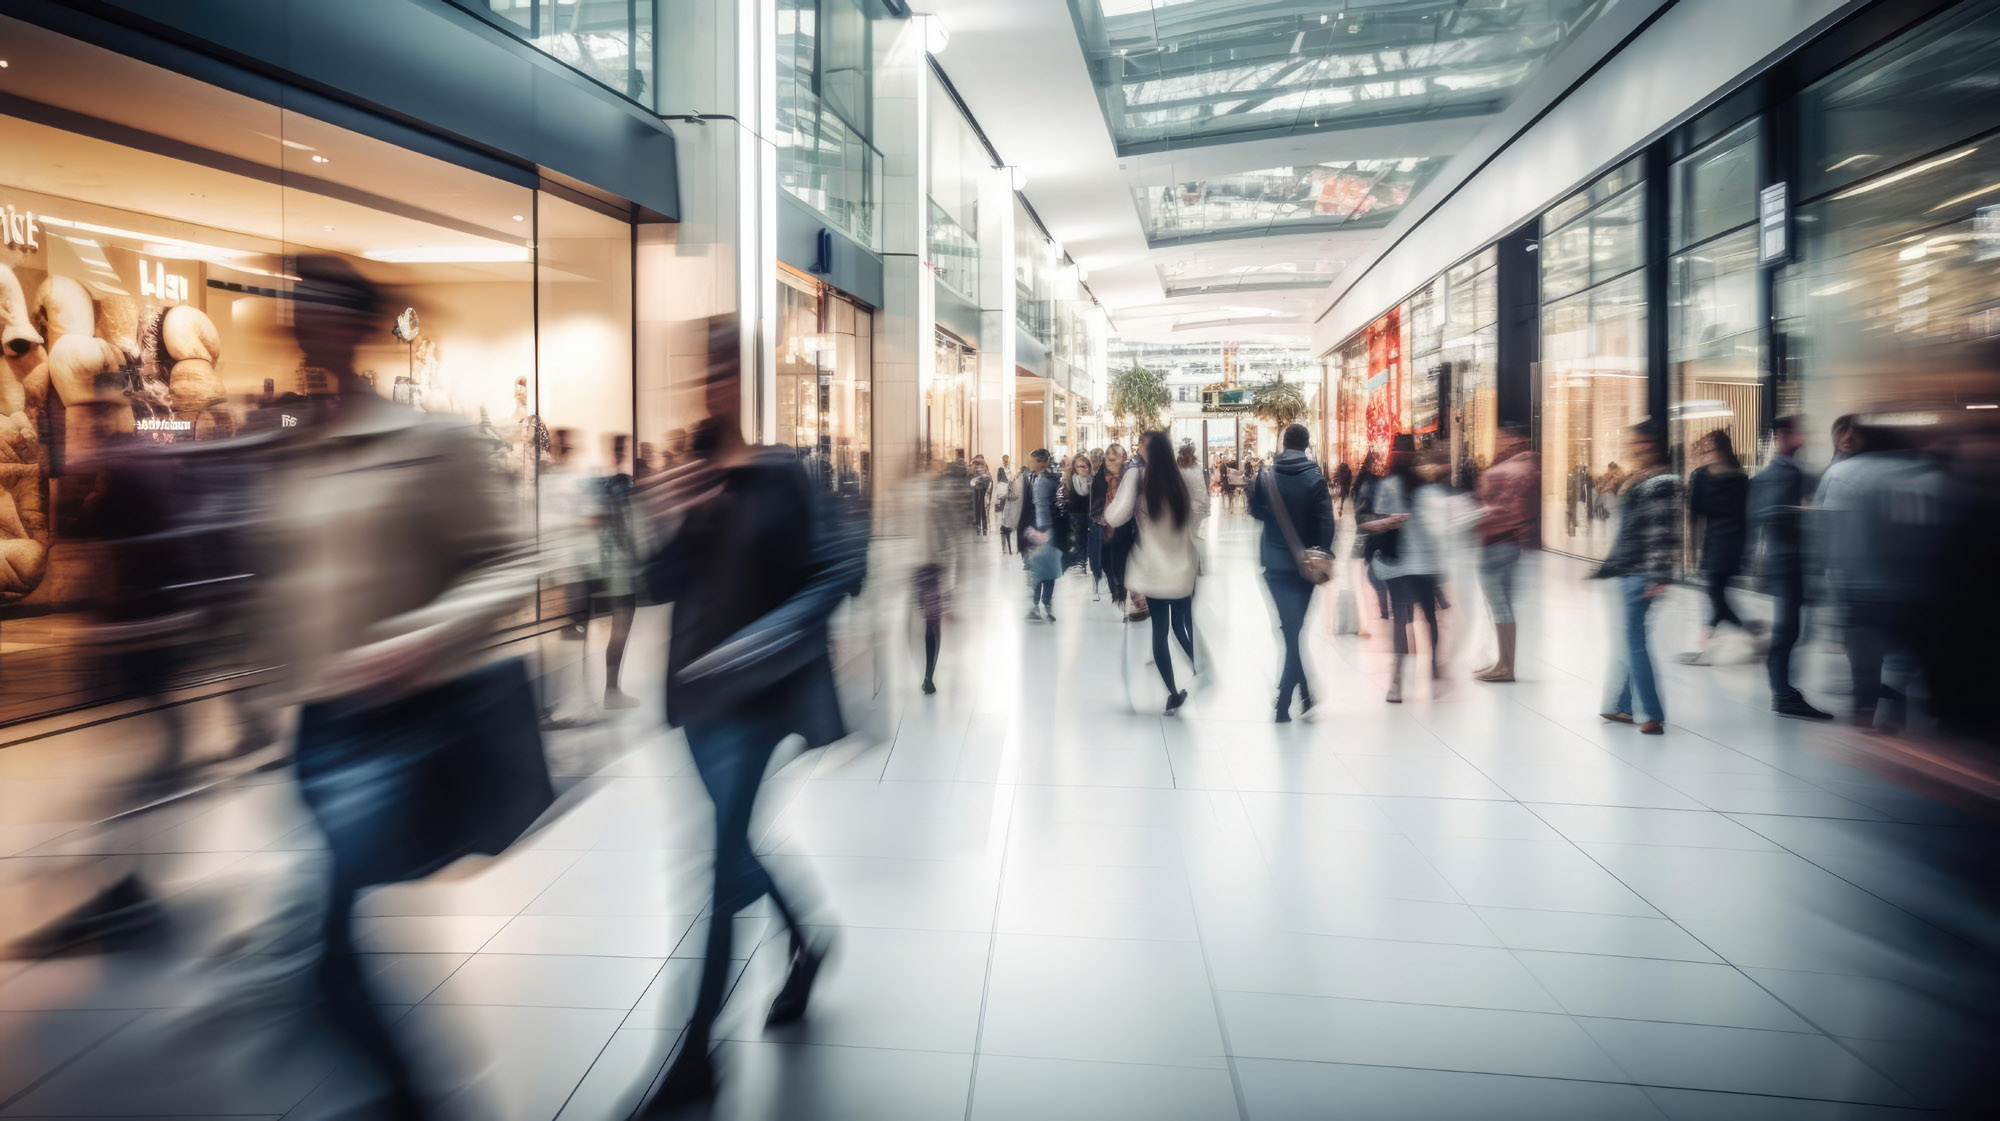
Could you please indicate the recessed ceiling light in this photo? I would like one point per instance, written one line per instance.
(321, 159)
(518, 218)
(3, 64)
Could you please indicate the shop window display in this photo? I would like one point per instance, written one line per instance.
(951, 401)
(1594, 365)
(146, 295)
(824, 384)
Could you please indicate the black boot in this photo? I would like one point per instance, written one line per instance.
(790, 1004)
(690, 1079)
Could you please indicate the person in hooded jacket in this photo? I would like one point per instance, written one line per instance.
(1292, 487)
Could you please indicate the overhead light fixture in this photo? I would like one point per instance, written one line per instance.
(1983, 406)
(320, 159)
(3, 64)
(1854, 159)
(936, 35)
(450, 255)
(519, 218)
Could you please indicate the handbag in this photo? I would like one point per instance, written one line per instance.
(405, 788)
(1315, 564)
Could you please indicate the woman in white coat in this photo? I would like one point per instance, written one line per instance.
(1007, 488)
(1162, 564)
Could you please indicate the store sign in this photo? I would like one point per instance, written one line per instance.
(18, 228)
(156, 283)
(1774, 218)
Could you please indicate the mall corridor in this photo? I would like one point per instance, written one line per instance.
(1482, 903)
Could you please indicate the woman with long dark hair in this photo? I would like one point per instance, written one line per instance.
(1719, 494)
(1076, 500)
(1154, 497)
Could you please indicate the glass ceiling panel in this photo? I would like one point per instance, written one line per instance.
(1197, 278)
(1176, 73)
(1350, 194)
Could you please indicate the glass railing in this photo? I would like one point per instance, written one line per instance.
(827, 164)
(610, 41)
(954, 254)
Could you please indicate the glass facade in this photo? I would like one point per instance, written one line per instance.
(610, 41)
(1594, 365)
(1180, 72)
(1349, 194)
(824, 92)
(825, 381)
(1715, 338)
(1893, 300)
(957, 163)
(150, 250)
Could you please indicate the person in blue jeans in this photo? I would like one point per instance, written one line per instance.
(1642, 559)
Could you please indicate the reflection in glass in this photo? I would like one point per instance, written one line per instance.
(1200, 71)
(825, 381)
(1715, 189)
(609, 40)
(1350, 194)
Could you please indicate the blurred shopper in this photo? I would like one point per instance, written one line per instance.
(1883, 508)
(1117, 538)
(1190, 468)
(1409, 550)
(390, 554)
(1076, 512)
(1367, 489)
(1642, 559)
(936, 563)
(1162, 563)
(569, 514)
(754, 563)
(1777, 500)
(1719, 494)
(1041, 531)
(1293, 502)
(1007, 499)
(1506, 495)
(617, 562)
(982, 495)
(1341, 483)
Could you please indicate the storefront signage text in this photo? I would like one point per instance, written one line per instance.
(156, 283)
(19, 229)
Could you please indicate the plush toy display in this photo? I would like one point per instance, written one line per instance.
(191, 343)
(24, 524)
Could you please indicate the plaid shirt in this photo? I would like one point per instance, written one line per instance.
(1649, 529)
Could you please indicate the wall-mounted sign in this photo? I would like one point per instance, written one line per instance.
(1774, 220)
(18, 228)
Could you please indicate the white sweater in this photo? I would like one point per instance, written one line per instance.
(1162, 563)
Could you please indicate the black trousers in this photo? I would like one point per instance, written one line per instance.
(1171, 617)
(1293, 596)
(1719, 611)
(1409, 595)
(1788, 594)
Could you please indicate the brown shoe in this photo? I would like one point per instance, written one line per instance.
(1617, 717)
(1652, 728)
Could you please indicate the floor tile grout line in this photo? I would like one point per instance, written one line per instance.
(992, 952)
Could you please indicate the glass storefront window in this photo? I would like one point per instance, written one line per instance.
(951, 402)
(825, 382)
(1715, 189)
(134, 193)
(1594, 366)
(1908, 99)
(1715, 340)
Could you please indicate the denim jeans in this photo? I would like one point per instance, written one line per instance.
(1496, 578)
(1630, 664)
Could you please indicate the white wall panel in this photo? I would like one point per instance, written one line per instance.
(1693, 50)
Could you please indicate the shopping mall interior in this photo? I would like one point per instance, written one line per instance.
(516, 518)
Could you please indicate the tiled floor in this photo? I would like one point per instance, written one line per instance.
(1482, 903)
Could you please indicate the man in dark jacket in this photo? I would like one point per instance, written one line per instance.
(745, 565)
(1777, 498)
(1302, 497)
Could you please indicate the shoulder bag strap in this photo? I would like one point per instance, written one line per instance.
(1284, 520)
